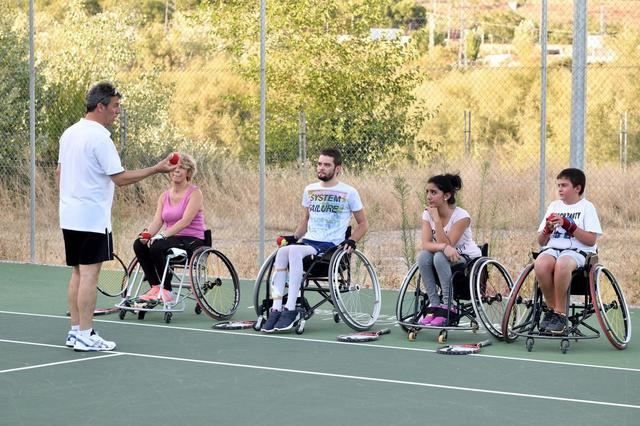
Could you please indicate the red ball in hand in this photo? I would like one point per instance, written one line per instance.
(174, 158)
(281, 241)
(145, 235)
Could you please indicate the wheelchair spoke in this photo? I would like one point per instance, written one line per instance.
(215, 283)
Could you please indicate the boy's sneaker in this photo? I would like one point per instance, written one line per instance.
(166, 296)
(93, 343)
(557, 325)
(426, 320)
(151, 294)
(546, 320)
(71, 339)
(287, 320)
(268, 326)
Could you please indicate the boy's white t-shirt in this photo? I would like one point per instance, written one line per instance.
(329, 211)
(465, 244)
(87, 159)
(583, 213)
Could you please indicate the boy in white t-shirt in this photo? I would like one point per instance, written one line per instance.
(569, 231)
(327, 208)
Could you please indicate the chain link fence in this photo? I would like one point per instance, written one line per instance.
(405, 89)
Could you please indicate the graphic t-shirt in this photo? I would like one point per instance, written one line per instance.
(583, 213)
(329, 211)
(465, 244)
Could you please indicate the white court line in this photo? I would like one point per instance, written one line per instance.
(334, 342)
(351, 377)
(50, 364)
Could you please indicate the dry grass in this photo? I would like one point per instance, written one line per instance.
(503, 203)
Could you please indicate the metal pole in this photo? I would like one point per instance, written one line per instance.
(543, 107)
(32, 135)
(263, 109)
(579, 81)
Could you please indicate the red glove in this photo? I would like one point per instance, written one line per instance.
(569, 225)
(548, 228)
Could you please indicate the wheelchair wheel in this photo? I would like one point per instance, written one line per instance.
(411, 299)
(214, 283)
(262, 288)
(522, 310)
(134, 279)
(355, 290)
(611, 308)
(490, 289)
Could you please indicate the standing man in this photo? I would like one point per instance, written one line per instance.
(89, 167)
(327, 209)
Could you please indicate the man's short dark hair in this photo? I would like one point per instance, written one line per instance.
(100, 93)
(333, 153)
(575, 176)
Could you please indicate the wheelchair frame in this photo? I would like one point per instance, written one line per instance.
(208, 277)
(599, 294)
(335, 287)
(473, 299)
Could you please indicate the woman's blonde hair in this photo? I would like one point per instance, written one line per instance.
(189, 164)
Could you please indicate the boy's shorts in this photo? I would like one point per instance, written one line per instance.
(87, 248)
(575, 255)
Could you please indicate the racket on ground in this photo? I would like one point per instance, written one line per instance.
(112, 280)
(233, 325)
(363, 336)
(101, 311)
(466, 349)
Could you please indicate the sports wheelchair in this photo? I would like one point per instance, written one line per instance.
(206, 275)
(593, 290)
(346, 280)
(480, 290)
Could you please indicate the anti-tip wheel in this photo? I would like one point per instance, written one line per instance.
(412, 336)
(529, 344)
(442, 337)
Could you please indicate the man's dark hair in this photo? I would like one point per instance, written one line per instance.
(575, 176)
(101, 93)
(333, 153)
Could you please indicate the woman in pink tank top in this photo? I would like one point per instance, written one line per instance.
(177, 222)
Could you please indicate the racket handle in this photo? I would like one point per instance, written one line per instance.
(485, 343)
(384, 331)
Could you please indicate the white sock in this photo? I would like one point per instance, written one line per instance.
(85, 333)
(75, 328)
(277, 305)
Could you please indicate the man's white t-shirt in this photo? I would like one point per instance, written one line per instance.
(465, 244)
(583, 213)
(329, 211)
(87, 158)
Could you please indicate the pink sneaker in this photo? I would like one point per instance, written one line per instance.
(151, 294)
(439, 322)
(426, 320)
(166, 296)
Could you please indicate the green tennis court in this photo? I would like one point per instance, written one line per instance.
(186, 372)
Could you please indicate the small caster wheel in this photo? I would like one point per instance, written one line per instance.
(198, 310)
(412, 336)
(141, 314)
(529, 344)
(564, 345)
(257, 326)
(336, 317)
(121, 314)
(474, 326)
(442, 337)
(300, 328)
(167, 317)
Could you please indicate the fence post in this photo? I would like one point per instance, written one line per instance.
(302, 139)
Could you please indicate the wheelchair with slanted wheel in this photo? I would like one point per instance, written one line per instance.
(593, 290)
(347, 281)
(206, 276)
(480, 289)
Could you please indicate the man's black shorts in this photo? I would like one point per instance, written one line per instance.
(87, 248)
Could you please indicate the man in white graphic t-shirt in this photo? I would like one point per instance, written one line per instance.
(569, 230)
(327, 209)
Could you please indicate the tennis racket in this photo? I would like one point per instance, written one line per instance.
(233, 325)
(101, 311)
(364, 336)
(112, 281)
(466, 349)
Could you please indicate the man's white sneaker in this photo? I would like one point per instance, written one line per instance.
(92, 343)
(71, 339)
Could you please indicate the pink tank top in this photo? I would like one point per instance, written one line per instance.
(173, 213)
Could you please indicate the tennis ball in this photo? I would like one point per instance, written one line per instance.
(174, 158)
(281, 241)
(145, 235)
